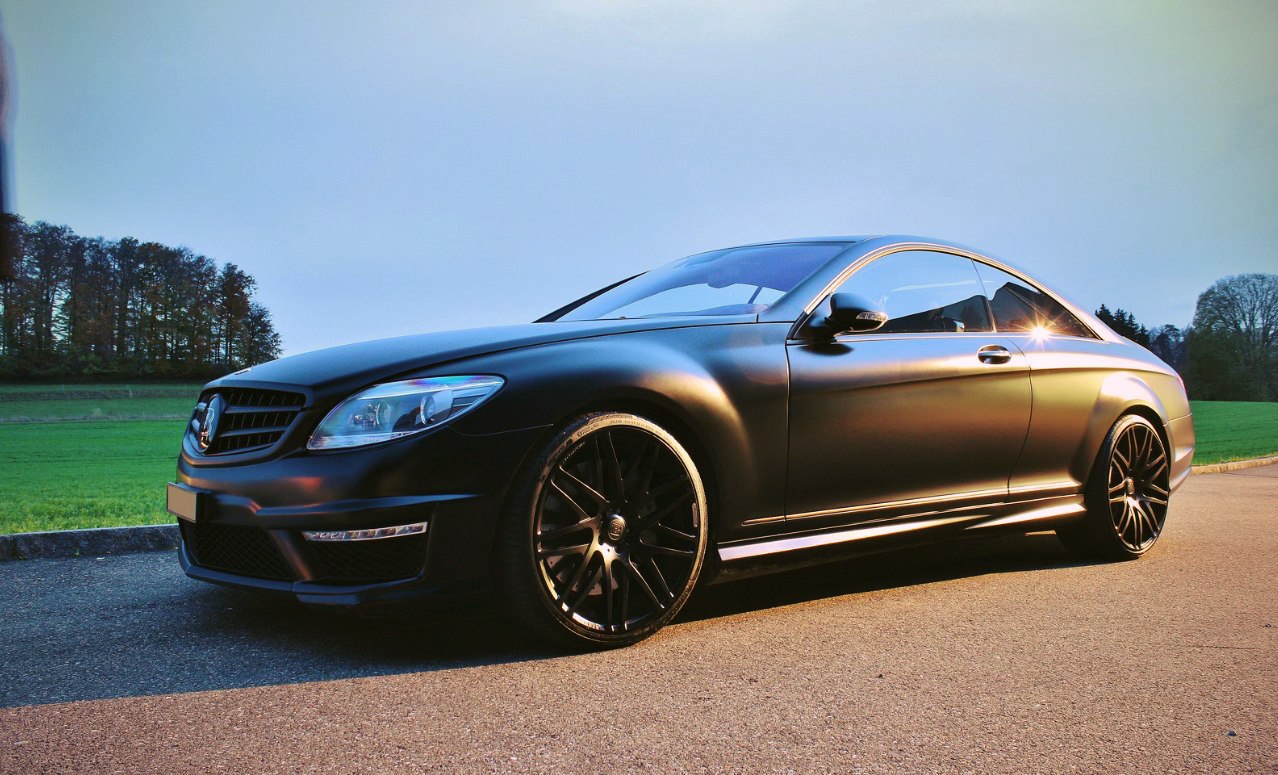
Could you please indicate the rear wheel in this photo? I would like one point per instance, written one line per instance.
(1126, 495)
(605, 533)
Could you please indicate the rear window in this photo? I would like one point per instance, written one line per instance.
(1020, 307)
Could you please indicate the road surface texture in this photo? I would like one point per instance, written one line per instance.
(997, 656)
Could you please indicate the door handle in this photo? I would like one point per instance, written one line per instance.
(993, 353)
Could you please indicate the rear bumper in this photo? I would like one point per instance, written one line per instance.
(1180, 435)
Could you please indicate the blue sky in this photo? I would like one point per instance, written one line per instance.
(391, 167)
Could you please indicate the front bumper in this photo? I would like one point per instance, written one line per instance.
(319, 593)
(249, 529)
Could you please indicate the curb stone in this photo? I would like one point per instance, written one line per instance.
(1234, 465)
(93, 542)
(96, 542)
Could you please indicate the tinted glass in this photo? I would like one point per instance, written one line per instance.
(1019, 306)
(736, 281)
(923, 292)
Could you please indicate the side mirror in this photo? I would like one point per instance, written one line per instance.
(849, 312)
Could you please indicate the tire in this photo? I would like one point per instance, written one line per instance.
(604, 534)
(1126, 495)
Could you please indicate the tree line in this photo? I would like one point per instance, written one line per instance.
(76, 307)
(1230, 350)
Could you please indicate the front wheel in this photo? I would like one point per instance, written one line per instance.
(1126, 495)
(605, 533)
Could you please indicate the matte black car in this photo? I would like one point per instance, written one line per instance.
(730, 412)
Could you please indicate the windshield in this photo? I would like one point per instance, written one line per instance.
(735, 281)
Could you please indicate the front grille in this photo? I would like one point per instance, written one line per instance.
(382, 559)
(254, 419)
(239, 549)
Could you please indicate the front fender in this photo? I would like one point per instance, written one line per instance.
(726, 385)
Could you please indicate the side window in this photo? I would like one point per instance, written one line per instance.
(1019, 306)
(923, 292)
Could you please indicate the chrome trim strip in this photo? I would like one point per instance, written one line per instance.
(924, 245)
(1071, 486)
(762, 521)
(907, 503)
(1032, 516)
(366, 534)
(730, 553)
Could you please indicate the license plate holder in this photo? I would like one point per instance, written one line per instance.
(184, 502)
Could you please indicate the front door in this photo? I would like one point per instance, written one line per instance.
(928, 412)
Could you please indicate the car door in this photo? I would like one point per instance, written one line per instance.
(928, 412)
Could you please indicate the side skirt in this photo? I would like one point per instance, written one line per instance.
(754, 557)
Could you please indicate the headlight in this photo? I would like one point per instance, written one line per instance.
(398, 409)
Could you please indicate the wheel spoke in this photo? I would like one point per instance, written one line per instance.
(669, 551)
(643, 467)
(1125, 518)
(1140, 454)
(1155, 499)
(606, 585)
(562, 551)
(662, 586)
(581, 487)
(1151, 519)
(1123, 465)
(1158, 490)
(566, 530)
(1117, 488)
(612, 468)
(585, 590)
(623, 589)
(1157, 460)
(581, 513)
(670, 532)
(667, 487)
(1151, 523)
(1157, 472)
(577, 577)
(643, 524)
(633, 571)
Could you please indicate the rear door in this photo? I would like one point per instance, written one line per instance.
(928, 412)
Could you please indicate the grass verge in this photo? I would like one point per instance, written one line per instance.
(64, 475)
(77, 456)
(1234, 430)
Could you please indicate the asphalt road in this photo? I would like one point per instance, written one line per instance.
(997, 656)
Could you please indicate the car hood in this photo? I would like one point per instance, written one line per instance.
(353, 366)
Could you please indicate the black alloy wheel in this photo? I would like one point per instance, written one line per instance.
(606, 533)
(1127, 495)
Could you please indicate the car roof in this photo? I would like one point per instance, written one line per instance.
(847, 239)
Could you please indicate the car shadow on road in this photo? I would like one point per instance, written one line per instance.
(180, 636)
(902, 568)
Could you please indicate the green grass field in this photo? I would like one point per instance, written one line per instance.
(74, 456)
(1234, 430)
